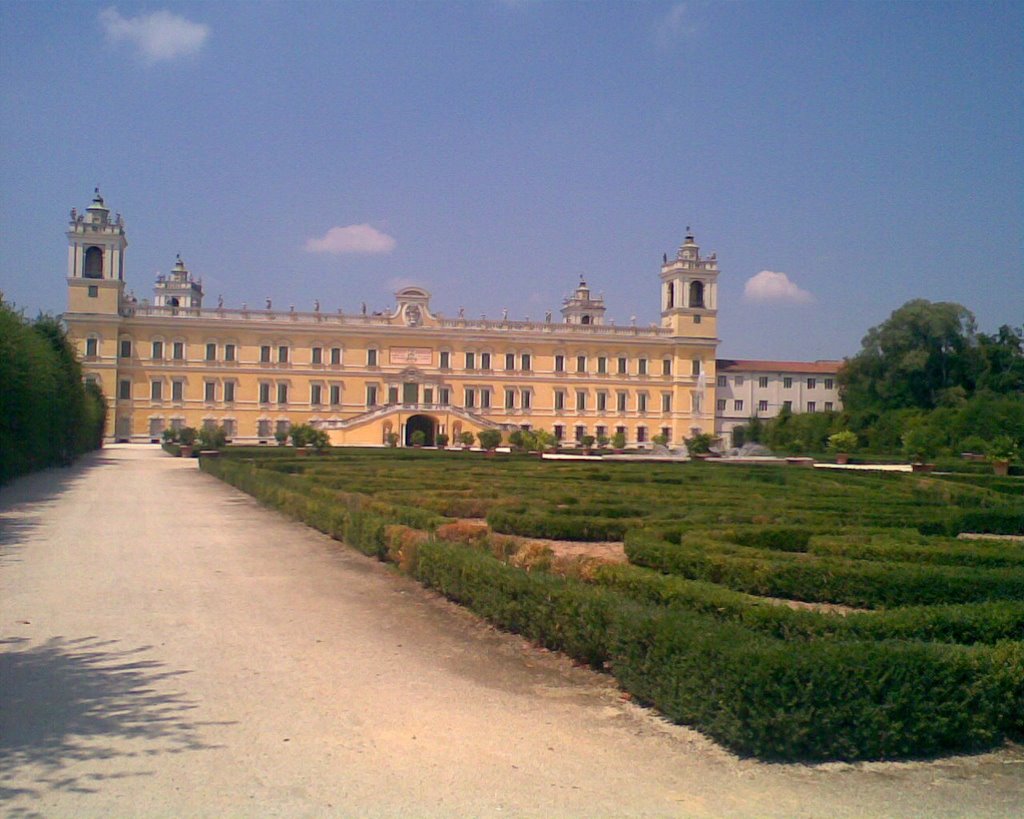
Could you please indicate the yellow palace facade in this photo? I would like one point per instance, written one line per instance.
(173, 361)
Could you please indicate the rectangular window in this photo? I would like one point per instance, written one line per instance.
(667, 432)
(210, 391)
(444, 396)
(666, 366)
(510, 399)
(230, 427)
(787, 383)
(811, 383)
(526, 361)
(282, 354)
(601, 431)
(371, 357)
(762, 382)
(124, 389)
(580, 431)
(265, 354)
(282, 393)
(263, 428)
(316, 392)
(94, 291)
(470, 361)
(559, 400)
(371, 395)
(229, 352)
(156, 427)
(335, 395)
(828, 406)
(559, 363)
(525, 399)
(696, 319)
(720, 405)
(812, 406)
(641, 402)
(158, 351)
(211, 351)
(282, 426)
(316, 355)
(723, 381)
(666, 402)
(829, 384)
(641, 435)
(179, 351)
(125, 350)
(156, 391)
(737, 405)
(177, 390)
(602, 365)
(428, 395)
(641, 366)
(559, 432)
(621, 430)
(510, 361)
(696, 366)
(620, 401)
(392, 395)
(470, 398)
(602, 401)
(738, 380)
(264, 393)
(445, 361)
(485, 399)
(485, 361)
(787, 405)
(336, 355)
(762, 406)
(623, 365)
(229, 391)
(581, 400)
(91, 345)
(581, 363)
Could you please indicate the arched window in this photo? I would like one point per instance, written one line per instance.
(93, 268)
(585, 320)
(670, 300)
(696, 294)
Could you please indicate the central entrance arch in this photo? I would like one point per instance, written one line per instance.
(424, 423)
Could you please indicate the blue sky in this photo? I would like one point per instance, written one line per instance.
(493, 151)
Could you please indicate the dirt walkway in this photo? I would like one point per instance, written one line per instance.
(170, 648)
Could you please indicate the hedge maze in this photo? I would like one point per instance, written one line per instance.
(725, 617)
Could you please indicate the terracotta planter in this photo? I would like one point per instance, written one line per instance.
(185, 451)
(842, 458)
(302, 452)
(922, 467)
(1001, 468)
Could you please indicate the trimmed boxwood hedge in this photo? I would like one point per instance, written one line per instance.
(556, 527)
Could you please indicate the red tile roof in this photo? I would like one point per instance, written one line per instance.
(819, 367)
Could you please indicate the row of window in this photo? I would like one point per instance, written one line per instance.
(473, 397)
(762, 406)
(281, 354)
(787, 382)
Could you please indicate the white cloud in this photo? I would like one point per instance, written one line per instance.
(352, 239)
(158, 36)
(674, 25)
(771, 286)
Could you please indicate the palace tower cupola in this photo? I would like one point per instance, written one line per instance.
(96, 245)
(178, 288)
(689, 291)
(583, 308)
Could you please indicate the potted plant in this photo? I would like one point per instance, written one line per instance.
(281, 435)
(187, 438)
(466, 439)
(391, 439)
(490, 439)
(418, 438)
(602, 441)
(699, 446)
(842, 444)
(588, 443)
(212, 439)
(1001, 450)
(660, 439)
(619, 442)
(919, 444)
(441, 439)
(517, 438)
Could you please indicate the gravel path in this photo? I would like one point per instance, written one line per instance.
(169, 648)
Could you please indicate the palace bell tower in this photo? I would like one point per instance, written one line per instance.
(689, 292)
(96, 245)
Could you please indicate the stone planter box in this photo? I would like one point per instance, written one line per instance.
(922, 467)
(1001, 468)
(806, 463)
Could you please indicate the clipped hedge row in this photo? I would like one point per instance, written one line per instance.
(754, 694)
(985, 623)
(894, 547)
(556, 527)
(853, 583)
(985, 521)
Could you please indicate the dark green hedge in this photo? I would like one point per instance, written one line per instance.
(805, 577)
(556, 527)
(900, 547)
(985, 521)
